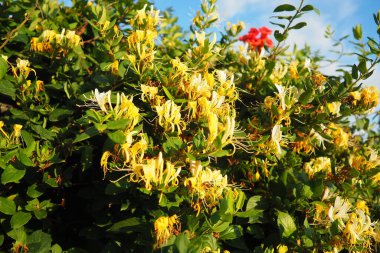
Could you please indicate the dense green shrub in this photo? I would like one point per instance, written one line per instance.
(120, 132)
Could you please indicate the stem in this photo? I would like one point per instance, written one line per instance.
(11, 33)
(286, 29)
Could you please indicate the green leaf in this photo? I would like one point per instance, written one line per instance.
(167, 93)
(12, 175)
(307, 7)
(7, 206)
(358, 32)
(19, 219)
(44, 133)
(125, 225)
(363, 67)
(56, 249)
(3, 68)
(24, 159)
(220, 153)
(279, 36)
(286, 224)
(117, 137)
(59, 114)
(284, 7)
(173, 144)
(7, 88)
(33, 191)
(39, 242)
(306, 97)
(119, 124)
(182, 243)
(232, 232)
(90, 132)
(355, 72)
(298, 26)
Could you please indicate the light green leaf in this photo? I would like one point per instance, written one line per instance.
(286, 224)
(19, 219)
(12, 175)
(7, 206)
(3, 67)
(182, 243)
(117, 137)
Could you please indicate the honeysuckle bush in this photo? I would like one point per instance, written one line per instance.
(122, 132)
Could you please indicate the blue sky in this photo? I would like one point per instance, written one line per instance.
(341, 15)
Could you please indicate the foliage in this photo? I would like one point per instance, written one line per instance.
(120, 132)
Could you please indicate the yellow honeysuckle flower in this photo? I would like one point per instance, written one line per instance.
(148, 92)
(72, 38)
(2, 130)
(317, 165)
(152, 173)
(282, 248)
(212, 121)
(165, 227)
(370, 96)
(340, 137)
(115, 67)
(207, 185)
(334, 108)
(169, 117)
(358, 227)
(362, 205)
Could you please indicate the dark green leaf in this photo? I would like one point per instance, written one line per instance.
(284, 7)
(90, 132)
(298, 26)
(307, 7)
(59, 114)
(125, 225)
(7, 88)
(39, 242)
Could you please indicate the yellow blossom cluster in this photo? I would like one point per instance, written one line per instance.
(206, 186)
(165, 227)
(339, 135)
(319, 164)
(367, 97)
(50, 40)
(141, 39)
(354, 223)
(14, 137)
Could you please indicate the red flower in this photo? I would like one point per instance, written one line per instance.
(258, 38)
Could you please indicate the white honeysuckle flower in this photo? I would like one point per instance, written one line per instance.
(102, 98)
(317, 138)
(281, 95)
(213, 41)
(339, 210)
(200, 38)
(276, 136)
(222, 76)
(307, 63)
